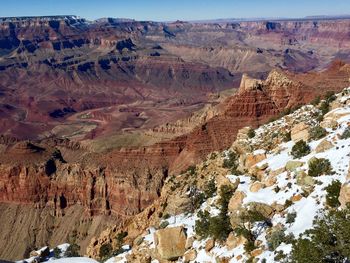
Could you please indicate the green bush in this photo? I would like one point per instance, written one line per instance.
(324, 107)
(287, 136)
(316, 101)
(318, 167)
(231, 162)
(202, 224)
(290, 219)
(57, 252)
(330, 96)
(72, 251)
(332, 196)
(251, 133)
(249, 246)
(210, 188)
(217, 227)
(105, 251)
(346, 134)
(191, 170)
(275, 239)
(164, 224)
(329, 241)
(317, 133)
(300, 149)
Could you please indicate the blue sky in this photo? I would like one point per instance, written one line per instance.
(164, 10)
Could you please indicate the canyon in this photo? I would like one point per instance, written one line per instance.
(162, 96)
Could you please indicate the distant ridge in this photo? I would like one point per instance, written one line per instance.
(54, 17)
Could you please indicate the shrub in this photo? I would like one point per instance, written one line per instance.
(105, 251)
(332, 196)
(197, 198)
(231, 162)
(57, 252)
(251, 133)
(164, 224)
(324, 107)
(318, 167)
(202, 224)
(300, 149)
(287, 136)
(72, 251)
(191, 170)
(330, 96)
(249, 246)
(217, 227)
(317, 133)
(166, 216)
(316, 101)
(275, 239)
(290, 219)
(210, 188)
(346, 134)
(329, 241)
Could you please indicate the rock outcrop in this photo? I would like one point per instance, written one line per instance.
(170, 242)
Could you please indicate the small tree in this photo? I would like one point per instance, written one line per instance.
(300, 149)
(346, 134)
(316, 101)
(317, 133)
(210, 188)
(72, 251)
(57, 252)
(290, 219)
(287, 136)
(319, 167)
(329, 241)
(202, 224)
(251, 133)
(105, 251)
(333, 191)
(231, 162)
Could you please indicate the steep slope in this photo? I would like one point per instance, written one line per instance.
(267, 192)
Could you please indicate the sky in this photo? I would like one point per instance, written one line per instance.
(168, 10)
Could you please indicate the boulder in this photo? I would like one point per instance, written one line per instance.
(296, 198)
(233, 241)
(252, 159)
(170, 242)
(190, 255)
(278, 171)
(324, 146)
(189, 242)
(329, 123)
(236, 201)
(138, 256)
(344, 195)
(223, 180)
(291, 166)
(300, 132)
(177, 204)
(256, 252)
(269, 180)
(264, 209)
(209, 244)
(256, 187)
(306, 182)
